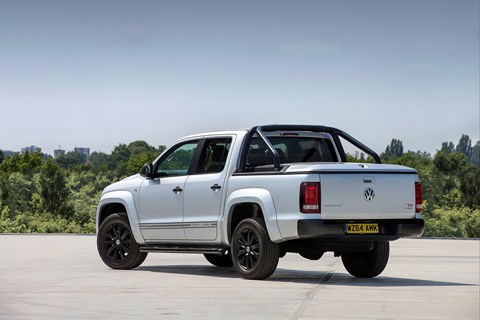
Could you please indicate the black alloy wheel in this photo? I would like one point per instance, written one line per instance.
(116, 244)
(247, 256)
(254, 255)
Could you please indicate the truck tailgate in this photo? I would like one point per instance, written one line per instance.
(365, 196)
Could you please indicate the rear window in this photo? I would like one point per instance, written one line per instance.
(292, 149)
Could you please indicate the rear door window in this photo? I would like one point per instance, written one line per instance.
(214, 155)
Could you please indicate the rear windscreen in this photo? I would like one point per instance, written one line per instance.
(292, 150)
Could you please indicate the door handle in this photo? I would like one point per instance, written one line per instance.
(215, 187)
(177, 190)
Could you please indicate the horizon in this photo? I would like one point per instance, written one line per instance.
(157, 146)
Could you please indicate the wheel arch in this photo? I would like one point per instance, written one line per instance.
(251, 203)
(118, 202)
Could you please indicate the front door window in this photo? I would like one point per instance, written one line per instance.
(178, 161)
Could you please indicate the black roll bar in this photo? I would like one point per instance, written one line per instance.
(259, 130)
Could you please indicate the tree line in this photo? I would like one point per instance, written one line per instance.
(46, 195)
(450, 182)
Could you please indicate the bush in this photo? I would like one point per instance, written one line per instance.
(45, 223)
(456, 223)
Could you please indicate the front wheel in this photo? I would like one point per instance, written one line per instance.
(254, 255)
(116, 244)
(367, 264)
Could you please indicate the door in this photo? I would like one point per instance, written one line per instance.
(204, 190)
(161, 199)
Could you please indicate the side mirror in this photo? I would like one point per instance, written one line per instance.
(147, 170)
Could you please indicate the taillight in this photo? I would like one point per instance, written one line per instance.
(310, 197)
(418, 197)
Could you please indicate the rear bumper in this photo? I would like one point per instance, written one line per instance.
(388, 229)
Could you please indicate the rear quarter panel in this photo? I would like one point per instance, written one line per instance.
(283, 190)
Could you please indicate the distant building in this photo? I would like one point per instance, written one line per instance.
(59, 152)
(84, 151)
(31, 149)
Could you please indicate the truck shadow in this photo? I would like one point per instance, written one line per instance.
(193, 270)
(345, 279)
(304, 277)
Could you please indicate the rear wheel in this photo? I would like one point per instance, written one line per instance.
(116, 244)
(254, 255)
(220, 260)
(367, 264)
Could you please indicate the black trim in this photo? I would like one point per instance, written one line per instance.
(265, 173)
(284, 171)
(244, 151)
(268, 171)
(196, 157)
(334, 229)
(185, 248)
(352, 172)
(264, 140)
(341, 151)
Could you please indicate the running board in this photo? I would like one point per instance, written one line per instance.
(184, 249)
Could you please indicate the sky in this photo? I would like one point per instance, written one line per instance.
(100, 73)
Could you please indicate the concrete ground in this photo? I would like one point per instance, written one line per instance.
(62, 277)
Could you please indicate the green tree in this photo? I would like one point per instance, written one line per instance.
(470, 186)
(16, 181)
(464, 146)
(98, 161)
(118, 160)
(456, 222)
(475, 159)
(26, 163)
(140, 153)
(139, 147)
(450, 163)
(16, 193)
(449, 168)
(393, 150)
(53, 191)
(448, 147)
(71, 159)
(85, 190)
(128, 159)
(9, 224)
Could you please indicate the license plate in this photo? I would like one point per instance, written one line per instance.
(361, 228)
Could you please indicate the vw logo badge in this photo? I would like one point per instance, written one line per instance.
(368, 194)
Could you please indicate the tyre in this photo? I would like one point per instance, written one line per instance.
(116, 244)
(254, 255)
(367, 264)
(220, 260)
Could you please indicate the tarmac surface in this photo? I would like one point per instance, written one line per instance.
(62, 277)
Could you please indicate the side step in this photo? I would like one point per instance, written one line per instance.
(179, 248)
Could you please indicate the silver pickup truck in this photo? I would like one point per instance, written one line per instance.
(246, 198)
